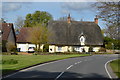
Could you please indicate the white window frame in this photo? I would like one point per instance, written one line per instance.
(59, 48)
(82, 39)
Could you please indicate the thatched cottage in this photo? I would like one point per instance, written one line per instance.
(68, 36)
(77, 36)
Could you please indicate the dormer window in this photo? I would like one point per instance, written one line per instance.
(82, 39)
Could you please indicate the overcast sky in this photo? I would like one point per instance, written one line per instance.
(78, 10)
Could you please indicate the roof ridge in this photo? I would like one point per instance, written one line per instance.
(71, 21)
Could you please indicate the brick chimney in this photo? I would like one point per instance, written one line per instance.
(69, 19)
(96, 19)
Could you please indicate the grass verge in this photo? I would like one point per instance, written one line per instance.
(29, 60)
(115, 65)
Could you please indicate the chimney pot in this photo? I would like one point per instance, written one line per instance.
(96, 19)
(8, 24)
(69, 19)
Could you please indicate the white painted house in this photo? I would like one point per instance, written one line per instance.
(68, 36)
(23, 47)
(7, 35)
(77, 36)
(23, 43)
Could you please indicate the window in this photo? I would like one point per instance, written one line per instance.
(77, 48)
(82, 39)
(50, 49)
(59, 48)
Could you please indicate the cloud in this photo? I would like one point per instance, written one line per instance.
(65, 11)
(76, 6)
(8, 7)
(13, 6)
(0, 10)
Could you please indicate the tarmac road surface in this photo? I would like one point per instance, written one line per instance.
(81, 67)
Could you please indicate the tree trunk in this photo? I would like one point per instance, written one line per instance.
(39, 47)
(36, 49)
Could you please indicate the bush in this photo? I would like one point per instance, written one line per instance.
(102, 50)
(14, 53)
(109, 41)
(46, 48)
(5, 53)
(38, 50)
(117, 52)
(83, 50)
(35, 53)
(4, 49)
(10, 61)
(74, 50)
(11, 47)
(66, 53)
(90, 49)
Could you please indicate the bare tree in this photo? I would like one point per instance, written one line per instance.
(19, 22)
(2, 20)
(112, 32)
(109, 12)
(38, 35)
(65, 18)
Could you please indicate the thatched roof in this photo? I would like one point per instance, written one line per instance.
(69, 33)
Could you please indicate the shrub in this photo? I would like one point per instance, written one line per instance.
(102, 50)
(83, 50)
(66, 53)
(11, 47)
(74, 50)
(4, 49)
(35, 53)
(13, 53)
(90, 49)
(38, 50)
(117, 52)
(46, 48)
(6, 53)
(10, 61)
(109, 41)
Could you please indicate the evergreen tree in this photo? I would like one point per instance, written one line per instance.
(39, 17)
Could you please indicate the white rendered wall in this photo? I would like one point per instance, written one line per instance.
(24, 47)
(86, 49)
(51, 48)
(63, 48)
(80, 49)
(96, 49)
(70, 48)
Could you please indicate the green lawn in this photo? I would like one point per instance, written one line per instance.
(115, 65)
(28, 60)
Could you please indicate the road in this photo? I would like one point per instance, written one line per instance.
(80, 67)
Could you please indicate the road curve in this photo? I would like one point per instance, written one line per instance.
(80, 67)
